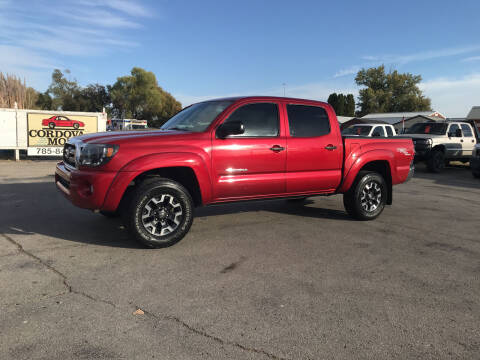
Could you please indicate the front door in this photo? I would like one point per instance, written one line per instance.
(454, 144)
(251, 164)
(314, 150)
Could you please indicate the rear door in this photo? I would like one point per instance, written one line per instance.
(468, 140)
(251, 164)
(314, 150)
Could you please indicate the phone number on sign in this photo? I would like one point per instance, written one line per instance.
(45, 151)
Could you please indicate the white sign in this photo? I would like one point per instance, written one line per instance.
(45, 151)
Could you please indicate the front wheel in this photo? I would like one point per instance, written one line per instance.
(51, 125)
(436, 161)
(159, 213)
(367, 197)
(76, 126)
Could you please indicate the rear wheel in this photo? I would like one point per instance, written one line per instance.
(159, 213)
(51, 125)
(367, 197)
(436, 161)
(76, 126)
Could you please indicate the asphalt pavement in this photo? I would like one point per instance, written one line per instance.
(262, 280)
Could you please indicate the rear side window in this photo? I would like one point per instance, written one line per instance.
(259, 120)
(378, 131)
(467, 132)
(307, 121)
(389, 131)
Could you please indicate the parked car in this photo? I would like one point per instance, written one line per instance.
(438, 143)
(475, 161)
(227, 150)
(61, 121)
(373, 130)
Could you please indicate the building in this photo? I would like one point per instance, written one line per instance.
(474, 115)
(344, 119)
(407, 123)
(398, 119)
(356, 120)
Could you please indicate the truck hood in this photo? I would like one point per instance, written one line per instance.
(112, 137)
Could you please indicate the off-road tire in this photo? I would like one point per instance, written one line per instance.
(76, 126)
(142, 201)
(51, 125)
(436, 161)
(358, 198)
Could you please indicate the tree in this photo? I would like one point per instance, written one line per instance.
(44, 101)
(139, 96)
(390, 92)
(63, 92)
(344, 105)
(14, 91)
(349, 105)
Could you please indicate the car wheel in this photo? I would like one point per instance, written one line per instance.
(110, 214)
(159, 213)
(51, 125)
(367, 197)
(476, 174)
(436, 161)
(75, 126)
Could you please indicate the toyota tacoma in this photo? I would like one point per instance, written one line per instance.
(227, 150)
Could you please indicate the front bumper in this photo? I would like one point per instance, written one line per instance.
(85, 189)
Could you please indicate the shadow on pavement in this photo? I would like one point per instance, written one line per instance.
(38, 208)
(452, 175)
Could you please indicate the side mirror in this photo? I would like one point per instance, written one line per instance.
(230, 128)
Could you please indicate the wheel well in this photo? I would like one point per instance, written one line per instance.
(439, 147)
(183, 175)
(383, 168)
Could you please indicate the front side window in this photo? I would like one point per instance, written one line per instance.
(453, 130)
(197, 117)
(307, 121)
(467, 131)
(259, 120)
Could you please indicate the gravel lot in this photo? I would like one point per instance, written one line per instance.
(264, 280)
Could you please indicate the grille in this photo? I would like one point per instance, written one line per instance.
(64, 182)
(69, 154)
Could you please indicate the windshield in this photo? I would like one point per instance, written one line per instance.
(428, 128)
(196, 117)
(357, 130)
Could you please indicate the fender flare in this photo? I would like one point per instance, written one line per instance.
(140, 165)
(361, 161)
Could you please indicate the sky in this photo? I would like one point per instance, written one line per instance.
(206, 49)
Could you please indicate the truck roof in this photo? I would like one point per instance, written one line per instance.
(260, 97)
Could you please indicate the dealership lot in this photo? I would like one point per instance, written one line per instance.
(263, 280)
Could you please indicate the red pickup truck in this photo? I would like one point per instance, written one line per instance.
(225, 150)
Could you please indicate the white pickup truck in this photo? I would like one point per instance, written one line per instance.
(438, 143)
(370, 130)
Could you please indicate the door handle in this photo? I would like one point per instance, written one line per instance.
(277, 148)
(330, 147)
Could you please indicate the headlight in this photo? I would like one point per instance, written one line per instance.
(96, 154)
